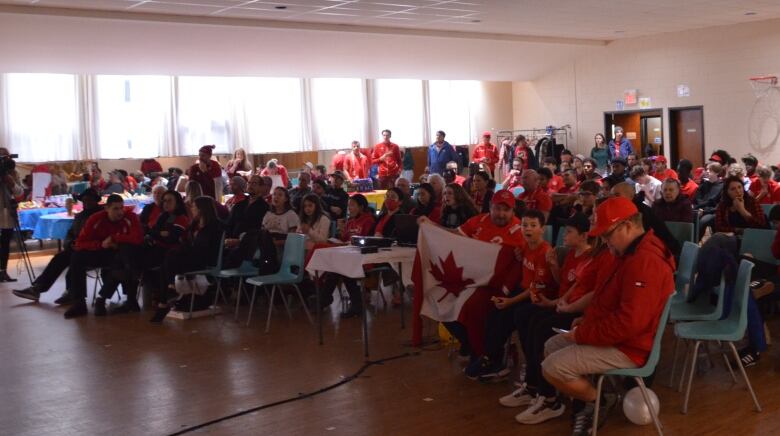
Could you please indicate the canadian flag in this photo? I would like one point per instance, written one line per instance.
(455, 277)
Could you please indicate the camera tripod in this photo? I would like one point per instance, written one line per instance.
(10, 204)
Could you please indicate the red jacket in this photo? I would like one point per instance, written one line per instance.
(489, 151)
(281, 171)
(356, 167)
(628, 301)
(99, 227)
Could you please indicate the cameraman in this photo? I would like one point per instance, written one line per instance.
(11, 189)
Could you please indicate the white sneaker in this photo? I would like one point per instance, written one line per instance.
(540, 411)
(520, 397)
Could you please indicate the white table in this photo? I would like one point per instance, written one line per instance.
(348, 261)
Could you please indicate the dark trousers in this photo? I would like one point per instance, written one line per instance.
(500, 325)
(459, 332)
(331, 280)
(540, 329)
(178, 261)
(59, 263)
(5, 247)
(80, 262)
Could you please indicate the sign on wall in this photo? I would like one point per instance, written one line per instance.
(683, 91)
(629, 96)
(644, 103)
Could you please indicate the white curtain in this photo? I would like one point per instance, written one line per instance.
(206, 114)
(399, 108)
(452, 104)
(41, 116)
(133, 116)
(338, 113)
(272, 114)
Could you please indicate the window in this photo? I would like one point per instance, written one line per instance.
(133, 116)
(452, 104)
(399, 108)
(42, 116)
(272, 114)
(338, 113)
(205, 114)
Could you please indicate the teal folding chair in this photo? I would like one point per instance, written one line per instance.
(730, 329)
(683, 279)
(639, 373)
(290, 273)
(767, 208)
(212, 272)
(247, 268)
(559, 239)
(758, 244)
(548, 231)
(681, 231)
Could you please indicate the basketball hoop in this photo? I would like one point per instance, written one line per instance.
(762, 84)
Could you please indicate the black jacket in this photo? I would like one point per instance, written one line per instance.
(203, 244)
(651, 221)
(245, 216)
(708, 196)
(337, 198)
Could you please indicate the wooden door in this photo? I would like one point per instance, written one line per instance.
(687, 135)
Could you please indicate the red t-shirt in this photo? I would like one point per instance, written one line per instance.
(536, 273)
(573, 189)
(555, 184)
(206, 179)
(668, 173)
(689, 189)
(356, 167)
(391, 166)
(358, 226)
(523, 152)
(572, 269)
(588, 274)
(481, 227)
(536, 199)
(773, 195)
(488, 151)
(459, 180)
(337, 163)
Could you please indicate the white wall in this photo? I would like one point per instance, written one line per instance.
(714, 62)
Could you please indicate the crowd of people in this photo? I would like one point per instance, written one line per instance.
(605, 286)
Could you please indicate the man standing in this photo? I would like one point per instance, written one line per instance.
(486, 152)
(618, 328)
(620, 147)
(387, 156)
(205, 171)
(97, 246)
(355, 163)
(440, 153)
(89, 200)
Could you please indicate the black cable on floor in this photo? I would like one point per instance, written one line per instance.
(348, 379)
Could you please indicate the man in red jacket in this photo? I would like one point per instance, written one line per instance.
(387, 156)
(97, 246)
(486, 152)
(618, 327)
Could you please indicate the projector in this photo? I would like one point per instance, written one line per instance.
(371, 241)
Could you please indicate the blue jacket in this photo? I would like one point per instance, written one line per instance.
(437, 159)
(625, 149)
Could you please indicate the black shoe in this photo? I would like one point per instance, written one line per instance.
(65, 299)
(353, 312)
(130, 305)
(79, 308)
(748, 357)
(100, 307)
(30, 293)
(4, 277)
(160, 314)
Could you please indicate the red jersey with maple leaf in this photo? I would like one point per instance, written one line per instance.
(572, 268)
(536, 273)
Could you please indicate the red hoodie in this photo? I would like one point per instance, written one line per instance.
(99, 227)
(627, 304)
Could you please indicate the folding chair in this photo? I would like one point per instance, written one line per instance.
(730, 329)
(681, 231)
(213, 273)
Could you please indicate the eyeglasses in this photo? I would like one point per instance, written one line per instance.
(608, 234)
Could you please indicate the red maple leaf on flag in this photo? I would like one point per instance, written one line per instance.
(450, 277)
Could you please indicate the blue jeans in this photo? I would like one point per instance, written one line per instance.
(755, 323)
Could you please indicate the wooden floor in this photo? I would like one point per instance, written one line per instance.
(123, 375)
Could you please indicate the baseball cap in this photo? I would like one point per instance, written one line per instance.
(715, 157)
(338, 173)
(610, 212)
(579, 221)
(487, 133)
(661, 159)
(504, 197)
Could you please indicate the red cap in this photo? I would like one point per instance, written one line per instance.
(610, 212)
(487, 133)
(716, 158)
(504, 197)
(661, 159)
(208, 149)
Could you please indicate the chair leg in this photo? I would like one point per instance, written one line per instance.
(216, 297)
(690, 377)
(192, 305)
(238, 295)
(685, 365)
(598, 405)
(270, 308)
(303, 303)
(653, 413)
(726, 362)
(251, 305)
(285, 301)
(674, 361)
(744, 375)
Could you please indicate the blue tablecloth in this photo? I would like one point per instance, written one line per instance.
(28, 218)
(53, 226)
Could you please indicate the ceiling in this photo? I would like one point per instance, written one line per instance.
(602, 20)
